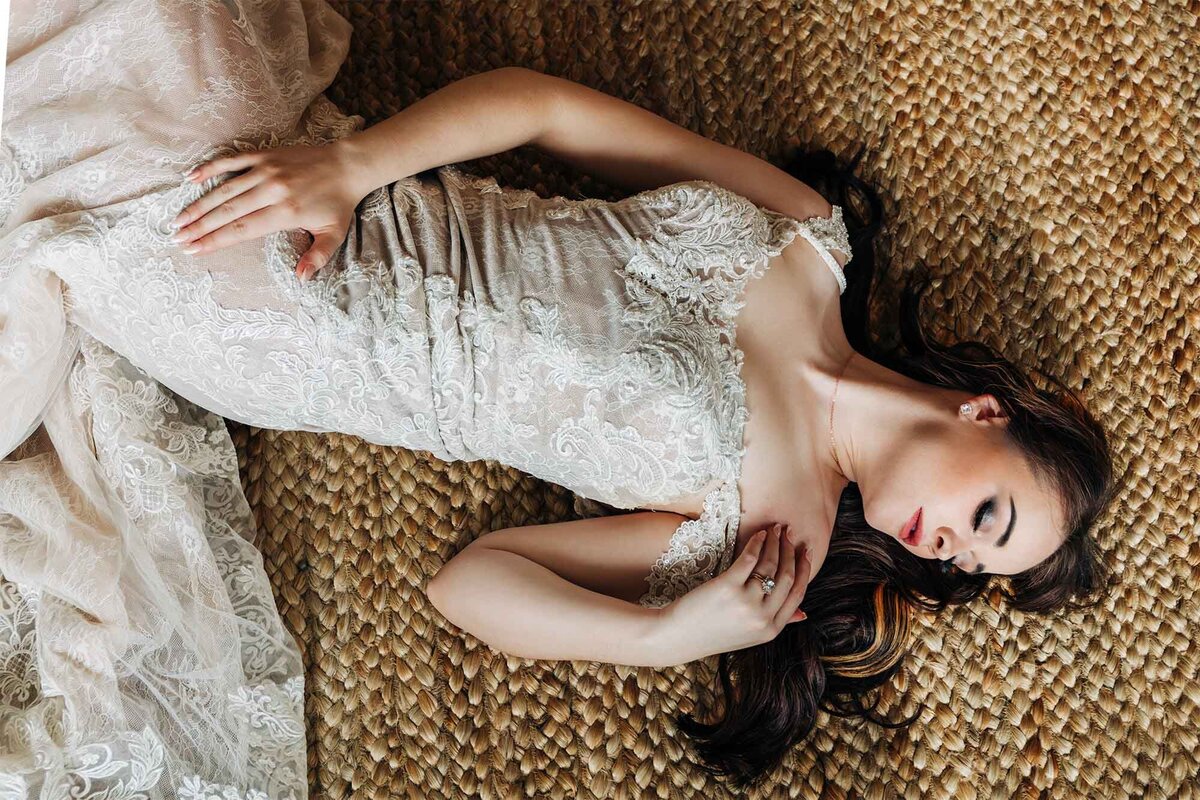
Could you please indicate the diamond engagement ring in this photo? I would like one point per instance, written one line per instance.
(768, 584)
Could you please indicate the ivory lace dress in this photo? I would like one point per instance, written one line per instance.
(586, 342)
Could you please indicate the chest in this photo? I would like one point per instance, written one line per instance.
(791, 312)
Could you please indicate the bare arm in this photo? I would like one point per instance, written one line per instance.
(479, 115)
(504, 108)
(565, 590)
(636, 148)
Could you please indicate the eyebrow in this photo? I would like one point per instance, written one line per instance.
(1004, 537)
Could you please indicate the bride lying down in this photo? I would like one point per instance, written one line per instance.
(587, 342)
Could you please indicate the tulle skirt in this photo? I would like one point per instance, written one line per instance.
(141, 652)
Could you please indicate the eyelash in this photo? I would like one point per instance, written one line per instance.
(985, 510)
(989, 506)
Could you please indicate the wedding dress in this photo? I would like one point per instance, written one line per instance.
(586, 342)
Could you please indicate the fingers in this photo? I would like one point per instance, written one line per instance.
(804, 574)
(784, 576)
(768, 559)
(259, 223)
(224, 214)
(740, 570)
(220, 194)
(324, 243)
(789, 610)
(202, 172)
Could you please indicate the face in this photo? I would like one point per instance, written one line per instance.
(980, 506)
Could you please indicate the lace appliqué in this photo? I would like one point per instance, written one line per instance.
(710, 248)
(698, 550)
(740, 238)
(685, 281)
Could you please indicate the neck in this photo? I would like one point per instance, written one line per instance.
(876, 410)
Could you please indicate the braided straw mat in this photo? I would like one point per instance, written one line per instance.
(1041, 159)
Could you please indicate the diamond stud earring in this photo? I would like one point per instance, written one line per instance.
(965, 408)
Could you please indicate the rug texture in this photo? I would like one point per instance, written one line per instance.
(1040, 158)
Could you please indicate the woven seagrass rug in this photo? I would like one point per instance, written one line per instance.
(1041, 159)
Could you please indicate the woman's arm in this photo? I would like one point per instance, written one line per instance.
(479, 115)
(565, 590)
(635, 148)
(558, 591)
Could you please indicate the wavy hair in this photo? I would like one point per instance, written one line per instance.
(861, 603)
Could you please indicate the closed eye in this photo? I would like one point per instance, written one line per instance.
(990, 505)
(986, 508)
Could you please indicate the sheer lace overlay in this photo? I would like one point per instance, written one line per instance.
(141, 652)
(586, 342)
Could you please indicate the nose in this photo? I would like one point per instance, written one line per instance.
(945, 543)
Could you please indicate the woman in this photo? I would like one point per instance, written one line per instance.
(589, 343)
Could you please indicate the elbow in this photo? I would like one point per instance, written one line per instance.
(540, 96)
(440, 590)
(442, 594)
(446, 592)
(434, 594)
(455, 591)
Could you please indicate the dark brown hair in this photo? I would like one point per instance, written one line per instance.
(861, 602)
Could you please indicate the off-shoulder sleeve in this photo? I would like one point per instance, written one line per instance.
(825, 234)
(716, 240)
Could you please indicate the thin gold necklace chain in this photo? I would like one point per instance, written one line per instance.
(832, 403)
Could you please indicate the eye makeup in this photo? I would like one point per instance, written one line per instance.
(989, 506)
(986, 508)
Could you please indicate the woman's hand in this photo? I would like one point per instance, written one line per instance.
(298, 186)
(730, 611)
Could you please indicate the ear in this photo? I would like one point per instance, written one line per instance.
(985, 408)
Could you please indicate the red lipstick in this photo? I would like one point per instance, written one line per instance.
(911, 533)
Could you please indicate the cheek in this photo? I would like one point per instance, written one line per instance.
(926, 476)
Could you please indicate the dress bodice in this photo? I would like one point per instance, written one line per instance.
(604, 356)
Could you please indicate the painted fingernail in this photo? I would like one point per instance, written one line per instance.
(191, 175)
(192, 248)
(179, 237)
(803, 616)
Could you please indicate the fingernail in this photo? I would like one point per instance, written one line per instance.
(803, 616)
(191, 248)
(191, 175)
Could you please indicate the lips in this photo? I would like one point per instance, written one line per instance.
(911, 534)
